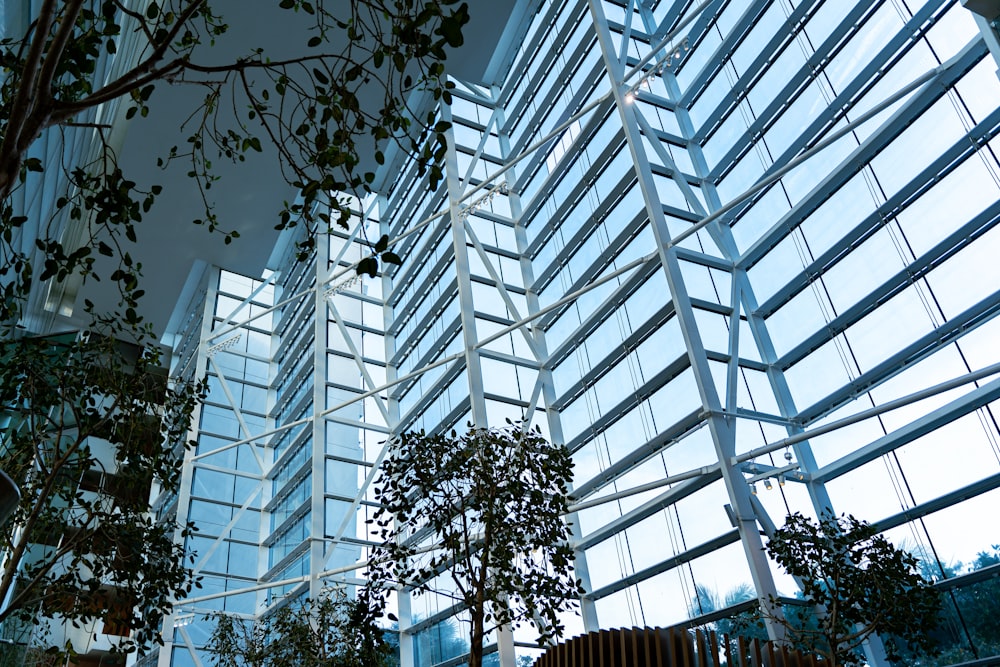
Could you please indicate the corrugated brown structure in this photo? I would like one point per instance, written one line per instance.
(670, 647)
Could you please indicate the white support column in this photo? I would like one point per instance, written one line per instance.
(317, 515)
(587, 608)
(165, 657)
(403, 598)
(466, 305)
(722, 431)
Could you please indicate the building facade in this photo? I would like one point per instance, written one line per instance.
(737, 255)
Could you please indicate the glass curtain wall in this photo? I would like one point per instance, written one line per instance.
(746, 224)
(737, 255)
(224, 490)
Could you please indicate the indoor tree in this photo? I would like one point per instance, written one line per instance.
(369, 73)
(331, 630)
(85, 419)
(478, 517)
(314, 109)
(859, 584)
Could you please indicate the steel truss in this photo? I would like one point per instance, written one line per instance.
(546, 147)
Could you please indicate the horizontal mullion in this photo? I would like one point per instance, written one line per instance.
(611, 357)
(661, 170)
(700, 258)
(923, 347)
(617, 411)
(351, 499)
(594, 319)
(511, 359)
(672, 139)
(355, 423)
(912, 109)
(797, 84)
(724, 358)
(950, 160)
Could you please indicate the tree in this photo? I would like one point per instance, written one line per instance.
(969, 628)
(313, 108)
(484, 512)
(329, 631)
(83, 513)
(85, 422)
(438, 643)
(739, 624)
(859, 583)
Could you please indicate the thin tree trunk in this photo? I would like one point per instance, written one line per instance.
(476, 640)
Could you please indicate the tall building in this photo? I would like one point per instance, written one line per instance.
(54, 317)
(739, 256)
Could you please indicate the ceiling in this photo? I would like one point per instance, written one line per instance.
(248, 196)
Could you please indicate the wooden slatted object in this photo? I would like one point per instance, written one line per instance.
(670, 647)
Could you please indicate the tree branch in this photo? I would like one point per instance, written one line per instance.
(42, 88)
(19, 110)
(142, 73)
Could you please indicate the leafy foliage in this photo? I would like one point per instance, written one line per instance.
(329, 631)
(490, 505)
(65, 79)
(969, 627)
(745, 624)
(308, 109)
(859, 583)
(86, 419)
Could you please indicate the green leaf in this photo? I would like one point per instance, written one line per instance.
(369, 266)
(382, 243)
(390, 257)
(451, 27)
